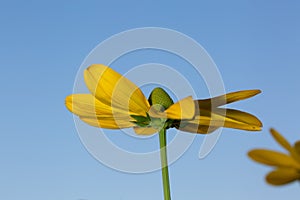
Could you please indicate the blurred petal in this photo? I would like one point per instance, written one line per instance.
(297, 147)
(295, 151)
(285, 144)
(282, 176)
(115, 90)
(227, 98)
(183, 109)
(144, 131)
(107, 122)
(273, 158)
(281, 140)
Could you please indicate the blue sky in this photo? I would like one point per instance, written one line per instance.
(255, 44)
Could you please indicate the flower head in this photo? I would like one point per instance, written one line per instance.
(115, 102)
(287, 166)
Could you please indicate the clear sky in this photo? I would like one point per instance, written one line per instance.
(255, 44)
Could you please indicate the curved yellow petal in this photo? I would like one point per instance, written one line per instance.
(144, 130)
(183, 109)
(115, 90)
(108, 122)
(88, 106)
(283, 176)
(227, 98)
(273, 158)
(241, 117)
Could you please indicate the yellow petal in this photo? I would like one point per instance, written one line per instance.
(183, 109)
(195, 128)
(113, 89)
(144, 131)
(227, 98)
(285, 144)
(87, 105)
(281, 140)
(273, 158)
(295, 151)
(233, 119)
(239, 119)
(297, 147)
(107, 122)
(282, 176)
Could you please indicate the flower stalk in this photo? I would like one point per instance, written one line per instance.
(164, 164)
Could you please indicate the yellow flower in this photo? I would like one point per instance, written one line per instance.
(287, 166)
(115, 102)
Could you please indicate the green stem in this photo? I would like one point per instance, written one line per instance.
(164, 164)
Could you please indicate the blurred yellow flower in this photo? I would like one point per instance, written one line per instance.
(115, 102)
(287, 166)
